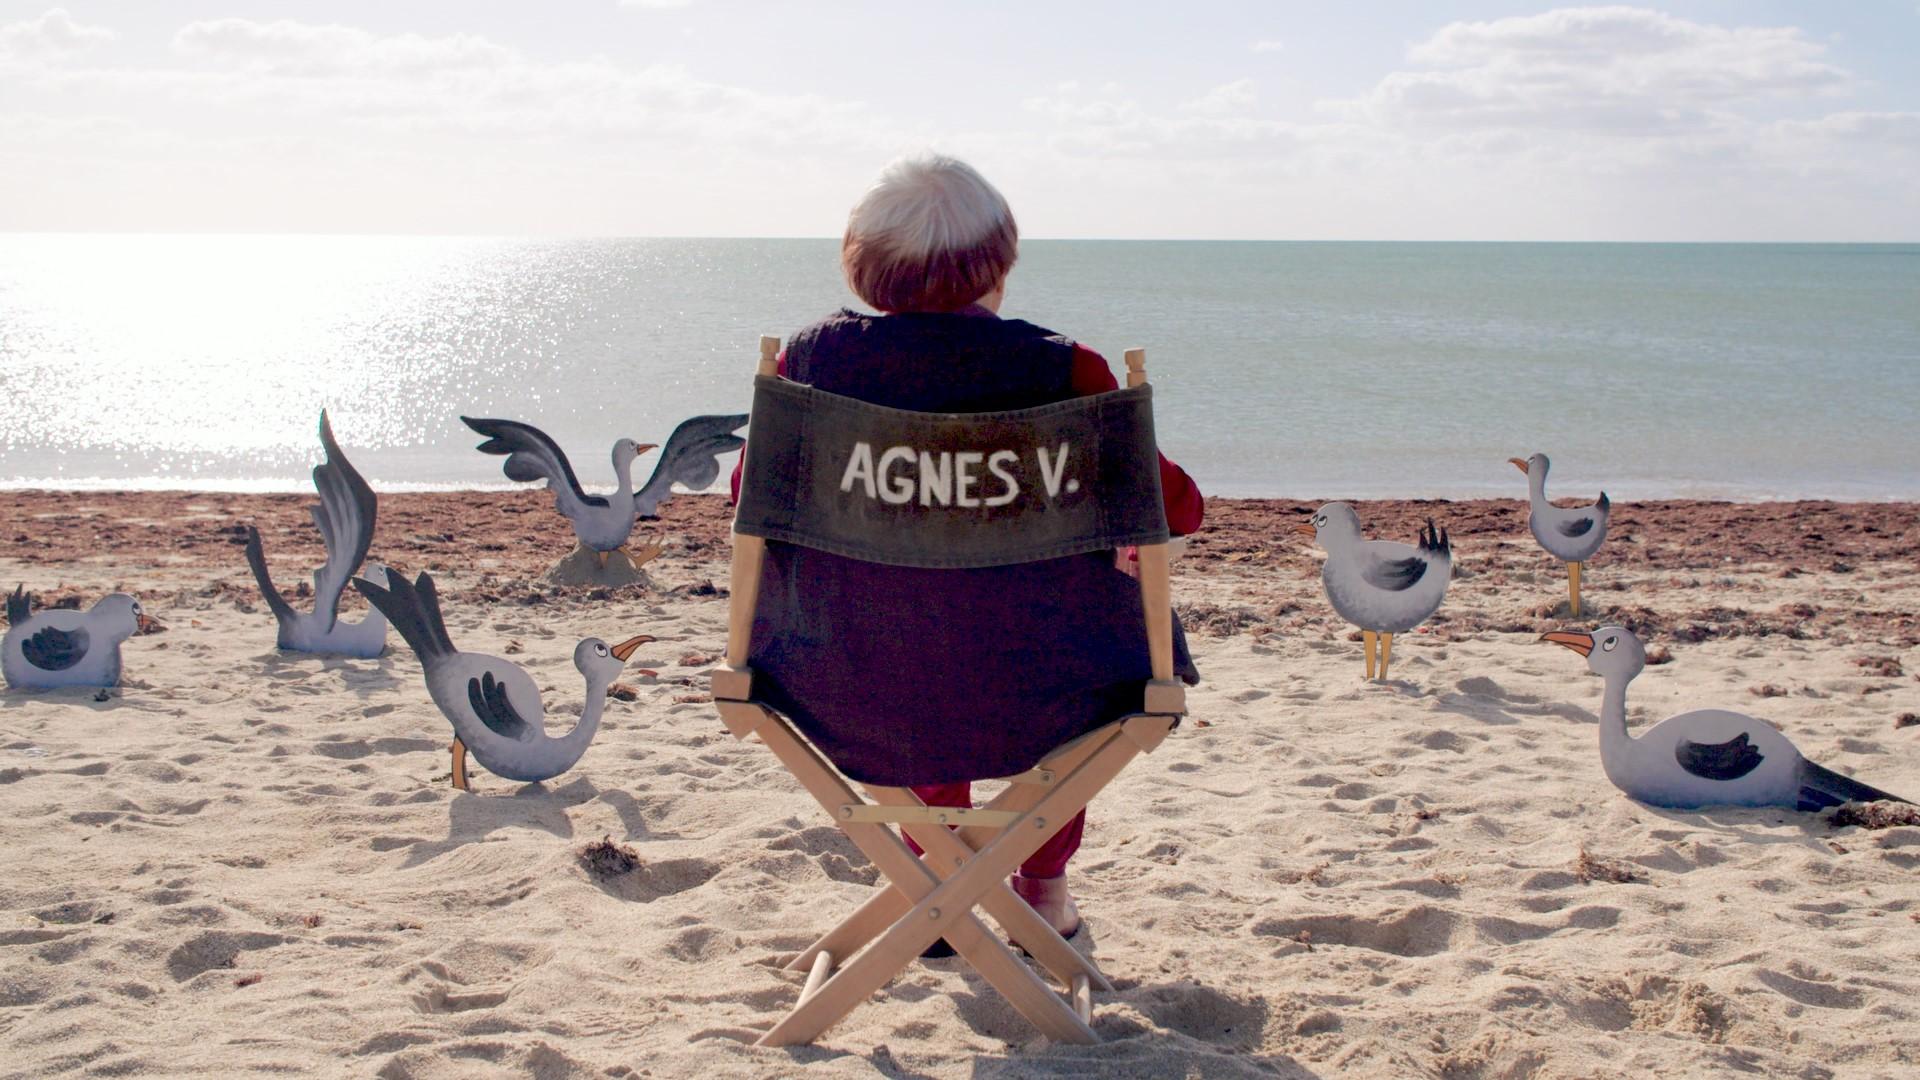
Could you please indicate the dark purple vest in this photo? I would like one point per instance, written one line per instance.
(909, 676)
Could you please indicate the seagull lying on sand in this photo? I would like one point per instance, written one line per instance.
(1708, 757)
(344, 516)
(494, 706)
(68, 648)
(1571, 535)
(602, 523)
(1380, 586)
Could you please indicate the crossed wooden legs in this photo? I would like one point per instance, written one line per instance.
(927, 900)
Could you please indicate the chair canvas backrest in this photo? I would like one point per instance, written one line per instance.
(951, 490)
(760, 480)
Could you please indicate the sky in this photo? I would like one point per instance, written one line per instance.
(1389, 120)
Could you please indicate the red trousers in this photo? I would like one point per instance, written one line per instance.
(1048, 862)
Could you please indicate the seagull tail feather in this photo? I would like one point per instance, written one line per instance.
(1821, 787)
(19, 605)
(414, 610)
(257, 559)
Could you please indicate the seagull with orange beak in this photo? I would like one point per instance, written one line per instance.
(1384, 588)
(602, 523)
(52, 648)
(1571, 535)
(493, 704)
(1707, 757)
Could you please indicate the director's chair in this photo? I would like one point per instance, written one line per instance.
(1063, 479)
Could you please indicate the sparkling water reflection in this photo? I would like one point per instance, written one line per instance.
(1283, 369)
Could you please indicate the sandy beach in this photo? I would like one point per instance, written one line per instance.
(244, 861)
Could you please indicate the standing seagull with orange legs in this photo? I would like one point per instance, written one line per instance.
(1384, 588)
(1571, 535)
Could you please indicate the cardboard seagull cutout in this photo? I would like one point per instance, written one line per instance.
(602, 524)
(1384, 588)
(344, 515)
(493, 704)
(1708, 757)
(58, 648)
(1571, 535)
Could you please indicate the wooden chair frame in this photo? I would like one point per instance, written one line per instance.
(969, 852)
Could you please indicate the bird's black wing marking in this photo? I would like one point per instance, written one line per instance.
(55, 650)
(1395, 574)
(414, 609)
(691, 457)
(488, 696)
(1729, 760)
(19, 606)
(345, 517)
(1821, 787)
(531, 455)
(1435, 541)
(1576, 527)
(1603, 504)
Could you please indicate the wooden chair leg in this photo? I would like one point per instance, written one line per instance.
(947, 853)
(947, 910)
(855, 982)
(879, 912)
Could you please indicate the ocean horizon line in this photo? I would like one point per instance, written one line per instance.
(282, 234)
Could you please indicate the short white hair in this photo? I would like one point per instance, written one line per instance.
(926, 203)
(930, 235)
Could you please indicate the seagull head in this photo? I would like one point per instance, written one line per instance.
(1610, 650)
(1530, 465)
(595, 657)
(125, 612)
(625, 450)
(1332, 524)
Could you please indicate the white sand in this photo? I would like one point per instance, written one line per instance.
(252, 862)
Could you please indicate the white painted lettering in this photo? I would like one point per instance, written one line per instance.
(859, 467)
(895, 489)
(1051, 472)
(936, 478)
(997, 465)
(963, 477)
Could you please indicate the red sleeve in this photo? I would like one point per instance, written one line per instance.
(742, 463)
(1185, 506)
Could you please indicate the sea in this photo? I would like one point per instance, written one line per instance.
(1306, 370)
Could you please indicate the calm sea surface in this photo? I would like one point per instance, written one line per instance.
(1285, 369)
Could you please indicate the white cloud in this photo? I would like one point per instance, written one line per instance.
(287, 47)
(1601, 69)
(657, 5)
(51, 36)
(1269, 45)
(1231, 97)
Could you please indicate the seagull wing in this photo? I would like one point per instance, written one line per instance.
(55, 650)
(344, 516)
(1728, 760)
(414, 609)
(488, 697)
(691, 457)
(1573, 527)
(1394, 575)
(18, 606)
(531, 455)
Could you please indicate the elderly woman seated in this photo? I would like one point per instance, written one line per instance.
(931, 679)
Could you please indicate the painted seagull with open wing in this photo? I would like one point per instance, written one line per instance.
(602, 524)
